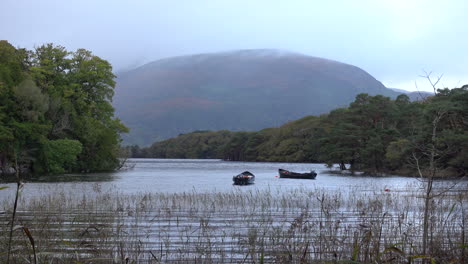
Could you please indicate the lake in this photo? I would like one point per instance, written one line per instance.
(188, 211)
(186, 175)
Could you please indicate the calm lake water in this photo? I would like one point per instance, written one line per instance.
(105, 214)
(177, 175)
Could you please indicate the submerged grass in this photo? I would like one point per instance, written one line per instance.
(299, 226)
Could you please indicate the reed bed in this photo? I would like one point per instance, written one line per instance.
(269, 226)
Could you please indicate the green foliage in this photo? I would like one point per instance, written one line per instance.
(53, 100)
(236, 147)
(61, 155)
(32, 102)
(198, 144)
(374, 134)
(397, 152)
(100, 144)
(11, 64)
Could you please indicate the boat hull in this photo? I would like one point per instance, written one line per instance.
(244, 178)
(242, 181)
(296, 175)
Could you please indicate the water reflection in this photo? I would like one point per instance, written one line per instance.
(92, 177)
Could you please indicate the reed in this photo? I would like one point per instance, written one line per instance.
(299, 226)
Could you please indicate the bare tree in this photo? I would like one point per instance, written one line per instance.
(430, 152)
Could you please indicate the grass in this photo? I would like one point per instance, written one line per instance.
(300, 226)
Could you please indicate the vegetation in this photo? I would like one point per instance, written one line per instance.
(55, 111)
(374, 134)
(270, 226)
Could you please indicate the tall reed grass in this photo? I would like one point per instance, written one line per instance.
(298, 226)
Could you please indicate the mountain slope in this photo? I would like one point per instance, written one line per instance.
(414, 95)
(239, 90)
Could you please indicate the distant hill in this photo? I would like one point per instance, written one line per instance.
(238, 90)
(414, 95)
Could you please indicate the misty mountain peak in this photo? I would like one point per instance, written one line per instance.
(260, 53)
(234, 56)
(236, 90)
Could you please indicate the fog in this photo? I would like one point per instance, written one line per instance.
(394, 40)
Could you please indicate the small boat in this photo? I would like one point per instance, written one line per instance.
(244, 178)
(296, 175)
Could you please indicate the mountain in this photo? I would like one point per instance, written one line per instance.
(414, 95)
(401, 91)
(237, 90)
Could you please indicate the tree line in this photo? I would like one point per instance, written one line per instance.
(55, 111)
(374, 134)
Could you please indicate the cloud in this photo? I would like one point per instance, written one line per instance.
(391, 39)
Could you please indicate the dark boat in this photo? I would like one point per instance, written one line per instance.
(296, 175)
(244, 178)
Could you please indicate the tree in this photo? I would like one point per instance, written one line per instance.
(21, 111)
(374, 134)
(61, 155)
(31, 101)
(51, 97)
(92, 118)
(341, 140)
(397, 153)
(431, 147)
(235, 148)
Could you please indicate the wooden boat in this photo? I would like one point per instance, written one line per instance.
(244, 178)
(296, 175)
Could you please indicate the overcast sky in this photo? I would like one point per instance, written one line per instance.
(393, 40)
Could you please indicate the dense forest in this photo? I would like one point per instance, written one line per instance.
(56, 116)
(373, 134)
(55, 111)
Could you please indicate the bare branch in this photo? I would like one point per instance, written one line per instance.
(416, 159)
(448, 188)
(427, 75)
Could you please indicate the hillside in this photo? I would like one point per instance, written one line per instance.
(239, 90)
(414, 95)
(373, 134)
